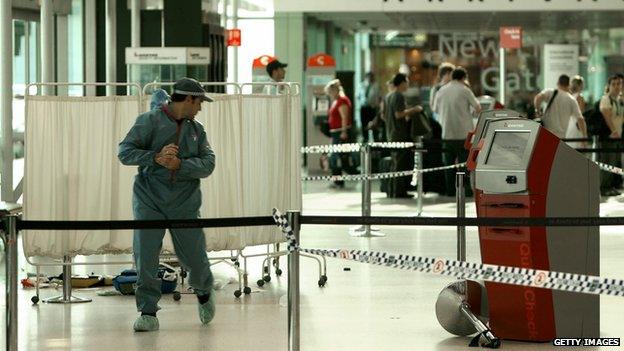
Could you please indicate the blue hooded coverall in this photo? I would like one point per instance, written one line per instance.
(161, 194)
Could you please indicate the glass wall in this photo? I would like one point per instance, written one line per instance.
(599, 54)
(75, 46)
(25, 71)
(257, 25)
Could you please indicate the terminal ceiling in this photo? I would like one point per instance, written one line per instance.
(473, 21)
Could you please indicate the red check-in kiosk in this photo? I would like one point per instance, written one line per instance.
(523, 170)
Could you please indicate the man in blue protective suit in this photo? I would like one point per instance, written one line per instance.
(172, 153)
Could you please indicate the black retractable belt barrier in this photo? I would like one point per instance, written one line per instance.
(130, 224)
(454, 221)
(588, 150)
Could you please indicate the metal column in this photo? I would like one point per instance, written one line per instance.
(6, 98)
(90, 45)
(366, 231)
(62, 46)
(111, 46)
(135, 23)
(135, 39)
(47, 46)
(294, 327)
(460, 196)
(235, 5)
(10, 247)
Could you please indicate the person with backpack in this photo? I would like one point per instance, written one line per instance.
(612, 112)
(561, 106)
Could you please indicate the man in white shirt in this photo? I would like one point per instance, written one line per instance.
(276, 71)
(444, 76)
(561, 106)
(452, 104)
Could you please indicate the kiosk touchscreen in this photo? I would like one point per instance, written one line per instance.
(477, 134)
(523, 170)
(473, 140)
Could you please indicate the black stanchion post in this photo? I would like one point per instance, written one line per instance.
(294, 337)
(460, 196)
(10, 247)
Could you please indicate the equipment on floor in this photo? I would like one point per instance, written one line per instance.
(126, 281)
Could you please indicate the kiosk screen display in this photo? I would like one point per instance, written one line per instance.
(507, 149)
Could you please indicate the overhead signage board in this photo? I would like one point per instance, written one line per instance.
(379, 6)
(168, 56)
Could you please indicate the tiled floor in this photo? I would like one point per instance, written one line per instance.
(366, 308)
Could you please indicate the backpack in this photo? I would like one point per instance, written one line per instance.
(126, 281)
(420, 125)
(595, 121)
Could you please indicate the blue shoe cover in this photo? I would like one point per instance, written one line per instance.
(146, 323)
(207, 310)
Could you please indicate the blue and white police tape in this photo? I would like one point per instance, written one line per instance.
(354, 147)
(414, 181)
(394, 145)
(319, 149)
(387, 175)
(609, 168)
(535, 278)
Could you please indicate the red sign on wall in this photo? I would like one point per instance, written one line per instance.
(510, 37)
(234, 37)
(321, 60)
(262, 61)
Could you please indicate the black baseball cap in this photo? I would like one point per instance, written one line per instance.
(190, 86)
(275, 64)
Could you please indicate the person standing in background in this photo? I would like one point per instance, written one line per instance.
(613, 113)
(452, 104)
(276, 71)
(369, 98)
(574, 128)
(560, 108)
(341, 131)
(397, 116)
(444, 76)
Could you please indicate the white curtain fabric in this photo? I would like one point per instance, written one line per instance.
(72, 171)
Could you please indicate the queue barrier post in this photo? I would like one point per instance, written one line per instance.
(294, 330)
(9, 236)
(366, 230)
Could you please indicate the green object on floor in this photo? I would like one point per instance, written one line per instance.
(146, 323)
(207, 310)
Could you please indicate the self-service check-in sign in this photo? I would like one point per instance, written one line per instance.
(234, 37)
(510, 37)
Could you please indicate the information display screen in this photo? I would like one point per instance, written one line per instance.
(507, 149)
